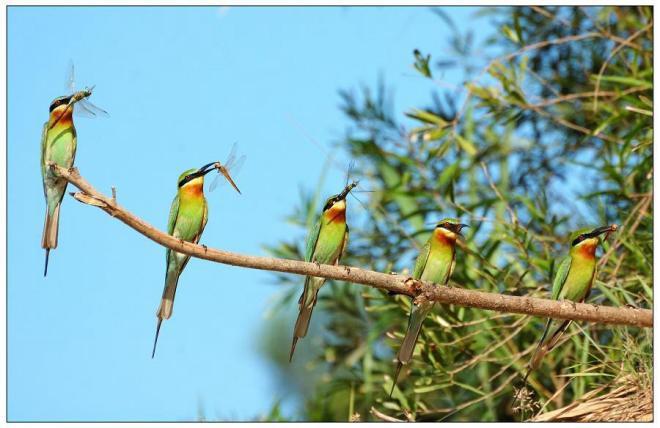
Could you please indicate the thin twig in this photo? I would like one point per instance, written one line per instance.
(611, 55)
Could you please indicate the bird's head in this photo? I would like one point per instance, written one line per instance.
(193, 179)
(585, 241)
(449, 229)
(338, 201)
(335, 206)
(58, 107)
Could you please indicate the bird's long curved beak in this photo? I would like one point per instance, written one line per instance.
(206, 169)
(603, 229)
(344, 193)
(460, 227)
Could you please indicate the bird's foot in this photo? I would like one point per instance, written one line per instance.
(205, 247)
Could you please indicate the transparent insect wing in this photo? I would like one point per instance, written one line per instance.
(70, 79)
(87, 109)
(351, 166)
(215, 182)
(232, 155)
(232, 167)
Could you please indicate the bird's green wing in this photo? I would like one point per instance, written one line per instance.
(344, 244)
(560, 277)
(420, 263)
(44, 133)
(171, 222)
(311, 240)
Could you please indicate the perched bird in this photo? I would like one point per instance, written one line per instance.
(187, 220)
(58, 145)
(434, 264)
(325, 245)
(573, 281)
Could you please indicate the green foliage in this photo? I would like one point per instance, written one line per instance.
(552, 134)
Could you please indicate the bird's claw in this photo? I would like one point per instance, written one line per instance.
(205, 247)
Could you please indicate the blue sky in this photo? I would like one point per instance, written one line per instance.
(181, 85)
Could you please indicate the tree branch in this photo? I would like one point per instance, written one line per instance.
(390, 282)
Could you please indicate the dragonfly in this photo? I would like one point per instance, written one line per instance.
(85, 107)
(232, 166)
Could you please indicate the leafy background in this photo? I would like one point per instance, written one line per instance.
(550, 131)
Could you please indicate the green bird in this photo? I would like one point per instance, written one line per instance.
(187, 220)
(325, 245)
(434, 264)
(573, 281)
(58, 145)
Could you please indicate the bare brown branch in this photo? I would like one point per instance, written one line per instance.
(398, 284)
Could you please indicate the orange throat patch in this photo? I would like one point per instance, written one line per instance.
(588, 250)
(193, 189)
(336, 215)
(444, 237)
(65, 120)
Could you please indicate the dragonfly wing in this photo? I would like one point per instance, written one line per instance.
(232, 156)
(215, 182)
(87, 109)
(70, 78)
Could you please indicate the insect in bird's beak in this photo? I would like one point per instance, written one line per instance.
(347, 190)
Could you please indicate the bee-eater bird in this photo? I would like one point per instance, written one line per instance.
(58, 145)
(573, 281)
(187, 220)
(434, 264)
(325, 245)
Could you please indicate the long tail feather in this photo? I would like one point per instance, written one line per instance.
(417, 315)
(544, 346)
(306, 304)
(169, 292)
(293, 347)
(396, 376)
(49, 235)
(302, 325)
(46, 264)
(153, 352)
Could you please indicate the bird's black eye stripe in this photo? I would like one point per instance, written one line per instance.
(184, 180)
(59, 102)
(55, 104)
(577, 240)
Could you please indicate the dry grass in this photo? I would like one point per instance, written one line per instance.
(627, 402)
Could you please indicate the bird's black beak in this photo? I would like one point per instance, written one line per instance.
(600, 230)
(347, 190)
(460, 227)
(205, 169)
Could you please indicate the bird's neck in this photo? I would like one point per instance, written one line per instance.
(335, 215)
(65, 121)
(441, 240)
(192, 192)
(585, 252)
